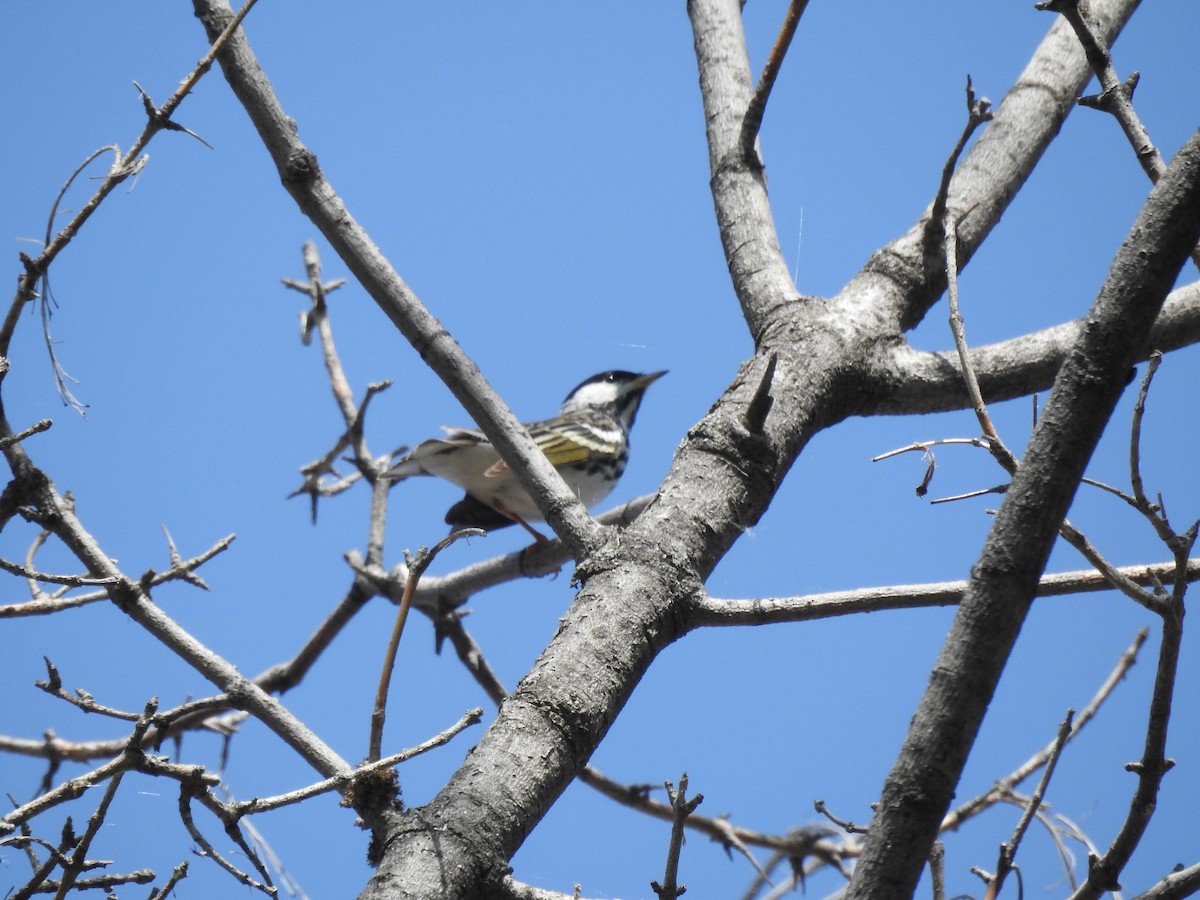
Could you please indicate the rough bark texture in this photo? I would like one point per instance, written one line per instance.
(922, 782)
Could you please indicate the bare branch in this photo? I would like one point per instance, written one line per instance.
(758, 103)
(123, 167)
(1104, 871)
(179, 570)
(341, 783)
(1003, 788)
(1116, 97)
(797, 844)
(1008, 851)
(1182, 883)
(207, 849)
(1000, 593)
(416, 566)
(681, 808)
(979, 112)
(710, 611)
(36, 428)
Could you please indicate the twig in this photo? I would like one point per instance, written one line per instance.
(1135, 432)
(1104, 871)
(1008, 851)
(36, 428)
(180, 569)
(1003, 787)
(846, 826)
(68, 790)
(76, 862)
(978, 112)
(317, 319)
(448, 626)
(994, 444)
(797, 843)
(81, 699)
(51, 578)
(752, 121)
(122, 168)
(341, 782)
(438, 593)
(968, 495)
(177, 875)
(681, 808)
(1116, 96)
(207, 849)
(924, 446)
(937, 870)
(416, 567)
(94, 883)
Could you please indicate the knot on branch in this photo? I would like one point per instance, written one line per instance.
(301, 168)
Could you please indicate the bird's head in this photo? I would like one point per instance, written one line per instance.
(617, 392)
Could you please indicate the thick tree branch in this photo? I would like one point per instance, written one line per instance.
(907, 276)
(921, 784)
(902, 380)
(760, 275)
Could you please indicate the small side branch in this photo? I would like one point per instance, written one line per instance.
(979, 111)
(1104, 871)
(42, 604)
(1008, 851)
(796, 845)
(758, 103)
(1116, 96)
(671, 889)
(124, 165)
(995, 445)
(416, 567)
(340, 783)
(1003, 788)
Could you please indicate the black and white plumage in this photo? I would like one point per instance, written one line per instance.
(588, 442)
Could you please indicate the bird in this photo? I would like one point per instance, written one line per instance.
(588, 442)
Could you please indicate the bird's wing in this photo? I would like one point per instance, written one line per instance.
(463, 436)
(566, 442)
(415, 462)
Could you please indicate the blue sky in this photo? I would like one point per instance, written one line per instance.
(537, 173)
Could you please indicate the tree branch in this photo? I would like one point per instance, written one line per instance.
(709, 611)
(904, 381)
(317, 199)
(921, 784)
(908, 275)
(758, 103)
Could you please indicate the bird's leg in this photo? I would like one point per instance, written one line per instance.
(538, 537)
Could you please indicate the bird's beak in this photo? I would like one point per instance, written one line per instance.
(644, 381)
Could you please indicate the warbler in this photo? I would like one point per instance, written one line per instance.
(588, 442)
